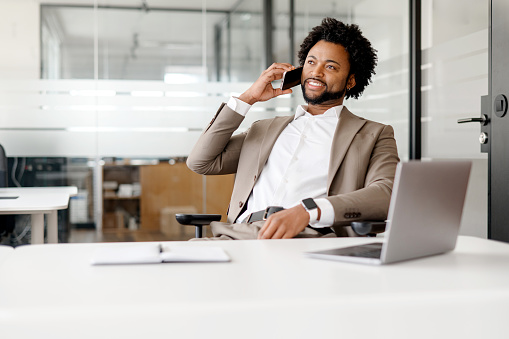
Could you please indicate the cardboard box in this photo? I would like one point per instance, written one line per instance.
(171, 227)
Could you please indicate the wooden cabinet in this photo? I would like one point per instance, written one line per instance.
(121, 196)
(167, 189)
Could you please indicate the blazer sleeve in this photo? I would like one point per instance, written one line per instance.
(217, 151)
(370, 202)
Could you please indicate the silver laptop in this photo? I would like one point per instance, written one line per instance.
(424, 215)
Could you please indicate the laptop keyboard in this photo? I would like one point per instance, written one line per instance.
(364, 251)
(374, 253)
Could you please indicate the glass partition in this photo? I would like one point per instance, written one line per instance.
(385, 23)
(454, 77)
(111, 97)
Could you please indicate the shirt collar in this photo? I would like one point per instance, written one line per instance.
(333, 111)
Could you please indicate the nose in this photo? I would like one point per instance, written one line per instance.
(317, 71)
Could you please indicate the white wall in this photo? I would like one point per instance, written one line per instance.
(19, 38)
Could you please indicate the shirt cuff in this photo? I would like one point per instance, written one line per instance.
(326, 214)
(238, 106)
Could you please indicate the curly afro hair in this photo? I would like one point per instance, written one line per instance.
(362, 56)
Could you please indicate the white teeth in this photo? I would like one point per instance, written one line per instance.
(313, 83)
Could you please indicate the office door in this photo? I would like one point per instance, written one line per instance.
(498, 157)
(494, 120)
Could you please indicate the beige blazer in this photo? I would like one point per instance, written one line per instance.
(361, 170)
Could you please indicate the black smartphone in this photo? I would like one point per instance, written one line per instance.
(291, 78)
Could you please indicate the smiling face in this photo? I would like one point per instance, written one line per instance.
(326, 75)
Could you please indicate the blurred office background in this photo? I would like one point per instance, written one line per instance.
(110, 96)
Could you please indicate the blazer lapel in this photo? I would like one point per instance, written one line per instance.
(348, 126)
(273, 131)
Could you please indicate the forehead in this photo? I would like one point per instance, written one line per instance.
(329, 51)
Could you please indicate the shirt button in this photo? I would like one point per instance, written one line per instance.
(255, 178)
(241, 204)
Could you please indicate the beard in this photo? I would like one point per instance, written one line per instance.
(324, 97)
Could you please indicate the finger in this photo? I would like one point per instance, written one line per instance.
(287, 66)
(278, 91)
(274, 74)
(281, 65)
(269, 231)
(279, 234)
(276, 228)
(267, 78)
(263, 229)
(287, 235)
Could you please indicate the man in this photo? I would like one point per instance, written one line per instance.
(325, 166)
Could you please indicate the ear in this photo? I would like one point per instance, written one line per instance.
(351, 82)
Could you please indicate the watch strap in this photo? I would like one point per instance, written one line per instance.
(313, 211)
(313, 215)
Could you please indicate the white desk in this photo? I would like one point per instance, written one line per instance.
(5, 252)
(269, 290)
(38, 201)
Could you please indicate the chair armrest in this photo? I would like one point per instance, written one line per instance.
(369, 228)
(197, 219)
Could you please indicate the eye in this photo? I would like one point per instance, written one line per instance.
(331, 67)
(310, 62)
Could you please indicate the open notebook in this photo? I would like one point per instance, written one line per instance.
(154, 253)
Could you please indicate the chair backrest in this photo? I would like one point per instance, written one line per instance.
(7, 222)
(3, 168)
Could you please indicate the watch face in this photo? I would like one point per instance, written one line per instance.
(309, 203)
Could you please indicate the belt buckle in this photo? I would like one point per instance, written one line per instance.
(248, 218)
(266, 212)
(274, 210)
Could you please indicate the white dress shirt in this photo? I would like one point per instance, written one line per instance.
(298, 165)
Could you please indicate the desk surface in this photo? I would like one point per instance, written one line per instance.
(5, 252)
(269, 290)
(35, 199)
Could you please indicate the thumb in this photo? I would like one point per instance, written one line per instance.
(279, 91)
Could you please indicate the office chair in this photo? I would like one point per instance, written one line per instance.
(361, 228)
(197, 220)
(3, 168)
(7, 222)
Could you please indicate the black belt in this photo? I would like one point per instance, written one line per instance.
(264, 214)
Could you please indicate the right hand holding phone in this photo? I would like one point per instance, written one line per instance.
(262, 89)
